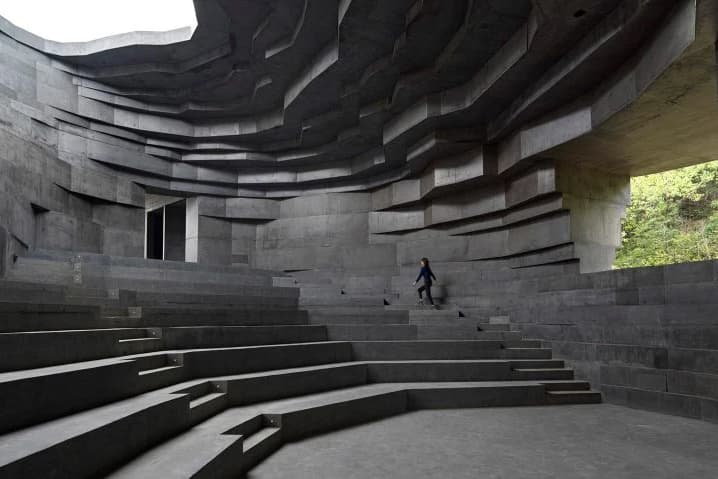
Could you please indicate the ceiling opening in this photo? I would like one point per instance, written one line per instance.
(86, 20)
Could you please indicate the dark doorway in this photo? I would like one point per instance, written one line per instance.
(155, 234)
(175, 225)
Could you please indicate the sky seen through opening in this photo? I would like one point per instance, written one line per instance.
(85, 20)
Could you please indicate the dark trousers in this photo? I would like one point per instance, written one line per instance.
(427, 288)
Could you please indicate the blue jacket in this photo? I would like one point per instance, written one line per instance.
(426, 273)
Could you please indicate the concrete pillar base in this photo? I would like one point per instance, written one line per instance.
(597, 201)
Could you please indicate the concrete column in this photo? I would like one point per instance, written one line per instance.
(191, 247)
(597, 201)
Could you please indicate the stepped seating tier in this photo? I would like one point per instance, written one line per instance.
(200, 400)
(205, 371)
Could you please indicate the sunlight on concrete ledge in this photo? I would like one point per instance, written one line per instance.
(87, 20)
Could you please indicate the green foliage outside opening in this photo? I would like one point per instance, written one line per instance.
(672, 218)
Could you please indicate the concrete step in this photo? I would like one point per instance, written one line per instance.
(378, 318)
(178, 316)
(28, 350)
(270, 385)
(72, 257)
(529, 353)
(371, 332)
(543, 373)
(204, 399)
(569, 385)
(138, 345)
(216, 298)
(354, 309)
(161, 370)
(191, 337)
(205, 455)
(297, 418)
(415, 307)
(218, 303)
(439, 370)
(138, 276)
(332, 290)
(431, 331)
(443, 349)
(40, 349)
(18, 291)
(76, 445)
(435, 318)
(197, 453)
(365, 332)
(537, 364)
(573, 397)
(344, 300)
(260, 445)
(158, 370)
(206, 406)
(20, 316)
(113, 379)
(409, 293)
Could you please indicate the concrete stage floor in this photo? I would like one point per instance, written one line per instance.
(591, 441)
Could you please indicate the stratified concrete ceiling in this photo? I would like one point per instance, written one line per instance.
(293, 96)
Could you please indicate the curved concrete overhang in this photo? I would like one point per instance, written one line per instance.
(669, 117)
(290, 98)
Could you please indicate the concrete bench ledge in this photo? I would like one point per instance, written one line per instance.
(28, 350)
(94, 258)
(104, 422)
(323, 411)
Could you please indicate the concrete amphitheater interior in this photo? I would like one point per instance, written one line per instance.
(209, 236)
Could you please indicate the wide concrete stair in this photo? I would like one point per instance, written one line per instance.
(200, 383)
(478, 289)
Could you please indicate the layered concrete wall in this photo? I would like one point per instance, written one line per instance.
(51, 196)
(328, 148)
(329, 231)
(648, 337)
(496, 137)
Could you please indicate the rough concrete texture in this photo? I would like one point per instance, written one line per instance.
(449, 118)
(158, 358)
(645, 336)
(589, 442)
(341, 141)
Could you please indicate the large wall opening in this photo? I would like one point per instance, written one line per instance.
(155, 234)
(175, 225)
(86, 20)
(672, 218)
(165, 227)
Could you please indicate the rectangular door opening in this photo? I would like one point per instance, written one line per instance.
(165, 228)
(155, 234)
